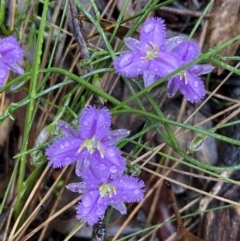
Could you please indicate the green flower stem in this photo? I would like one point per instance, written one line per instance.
(199, 168)
(201, 18)
(196, 129)
(22, 15)
(80, 80)
(155, 107)
(98, 26)
(120, 17)
(2, 17)
(220, 126)
(30, 111)
(65, 105)
(2, 12)
(225, 66)
(170, 220)
(95, 8)
(170, 139)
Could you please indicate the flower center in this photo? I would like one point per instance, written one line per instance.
(91, 145)
(184, 76)
(152, 51)
(107, 190)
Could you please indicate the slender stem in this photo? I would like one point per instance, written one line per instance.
(30, 110)
(99, 231)
(79, 31)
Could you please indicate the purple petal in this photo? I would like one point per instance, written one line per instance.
(187, 50)
(130, 64)
(120, 206)
(166, 64)
(193, 90)
(79, 187)
(92, 207)
(44, 135)
(172, 87)
(200, 69)
(94, 121)
(83, 162)
(16, 68)
(113, 157)
(66, 128)
(93, 178)
(114, 136)
(160, 67)
(63, 151)
(3, 73)
(132, 43)
(173, 42)
(149, 77)
(153, 30)
(111, 164)
(10, 50)
(129, 189)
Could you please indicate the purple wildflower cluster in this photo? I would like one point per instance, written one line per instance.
(154, 56)
(98, 162)
(10, 54)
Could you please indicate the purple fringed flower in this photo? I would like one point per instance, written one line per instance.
(148, 56)
(99, 192)
(10, 54)
(154, 57)
(92, 144)
(187, 81)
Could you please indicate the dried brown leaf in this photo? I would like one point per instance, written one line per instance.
(182, 234)
(224, 25)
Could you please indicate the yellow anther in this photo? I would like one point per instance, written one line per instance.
(152, 51)
(107, 189)
(99, 147)
(91, 145)
(184, 75)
